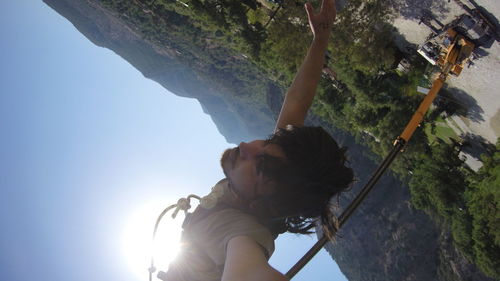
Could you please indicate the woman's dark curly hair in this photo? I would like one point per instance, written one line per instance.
(314, 171)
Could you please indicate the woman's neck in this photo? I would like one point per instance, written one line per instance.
(231, 198)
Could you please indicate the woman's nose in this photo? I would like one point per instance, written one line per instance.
(250, 149)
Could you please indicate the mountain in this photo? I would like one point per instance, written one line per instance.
(386, 239)
(164, 64)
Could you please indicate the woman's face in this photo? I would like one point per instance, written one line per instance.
(241, 167)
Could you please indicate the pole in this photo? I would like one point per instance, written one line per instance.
(400, 142)
(349, 210)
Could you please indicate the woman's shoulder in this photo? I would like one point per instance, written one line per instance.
(218, 227)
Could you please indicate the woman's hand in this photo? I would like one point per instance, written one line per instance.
(301, 93)
(322, 22)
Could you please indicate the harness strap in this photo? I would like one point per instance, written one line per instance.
(182, 204)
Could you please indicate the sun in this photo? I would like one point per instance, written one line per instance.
(137, 245)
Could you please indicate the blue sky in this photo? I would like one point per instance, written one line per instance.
(88, 148)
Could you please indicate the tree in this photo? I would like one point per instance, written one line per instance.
(483, 200)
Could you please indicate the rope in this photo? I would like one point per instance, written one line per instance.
(183, 204)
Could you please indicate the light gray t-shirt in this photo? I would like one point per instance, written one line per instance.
(204, 243)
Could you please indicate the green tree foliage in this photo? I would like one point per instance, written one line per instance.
(363, 37)
(461, 229)
(286, 43)
(439, 186)
(483, 201)
(437, 183)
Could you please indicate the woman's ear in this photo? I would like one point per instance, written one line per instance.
(260, 207)
(269, 188)
(263, 207)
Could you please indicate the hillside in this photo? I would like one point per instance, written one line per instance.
(184, 71)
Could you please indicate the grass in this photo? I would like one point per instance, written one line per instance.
(441, 131)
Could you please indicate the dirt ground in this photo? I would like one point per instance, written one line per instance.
(478, 87)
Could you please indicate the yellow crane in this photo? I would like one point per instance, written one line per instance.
(454, 50)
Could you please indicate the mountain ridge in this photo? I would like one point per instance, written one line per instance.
(162, 65)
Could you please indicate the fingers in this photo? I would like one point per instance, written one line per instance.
(328, 10)
(328, 6)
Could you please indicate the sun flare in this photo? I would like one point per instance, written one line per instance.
(137, 245)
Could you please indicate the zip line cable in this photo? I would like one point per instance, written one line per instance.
(349, 210)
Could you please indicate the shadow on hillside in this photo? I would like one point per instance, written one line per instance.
(491, 18)
(412, 9)
(477, 54)
(406, 48)
(455, 101)
(274, 99)
(476, 145)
